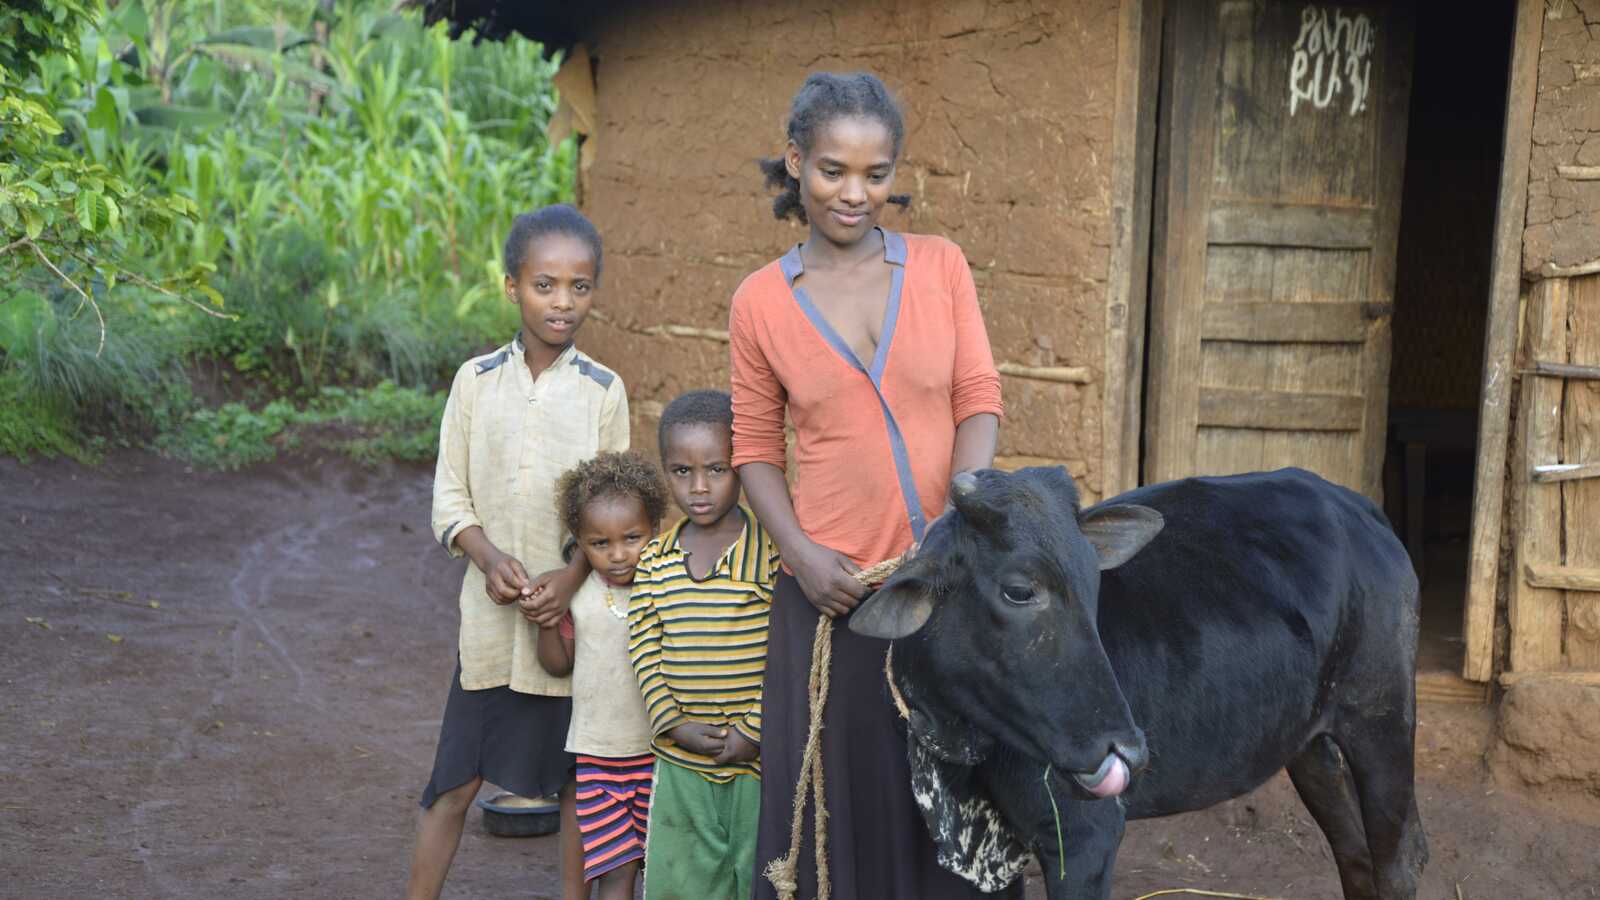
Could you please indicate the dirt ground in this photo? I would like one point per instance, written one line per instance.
(229, 685)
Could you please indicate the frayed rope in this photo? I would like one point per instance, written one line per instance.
(782, 871)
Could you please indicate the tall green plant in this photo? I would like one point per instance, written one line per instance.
(410, 174)
(167, 139)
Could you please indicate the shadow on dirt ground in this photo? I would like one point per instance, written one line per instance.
(229, 685)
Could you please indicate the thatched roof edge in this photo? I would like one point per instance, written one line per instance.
(556, 26)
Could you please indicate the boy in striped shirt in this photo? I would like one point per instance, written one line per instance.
(698, 626)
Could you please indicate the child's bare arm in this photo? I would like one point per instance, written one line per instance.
(550, 593)
(555, 651)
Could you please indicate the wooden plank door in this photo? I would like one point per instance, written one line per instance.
(1554, 608)
(1281, 144)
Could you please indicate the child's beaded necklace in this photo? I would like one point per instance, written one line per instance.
(611, 605)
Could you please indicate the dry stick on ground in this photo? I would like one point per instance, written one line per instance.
(1199, 892)
(126, 598)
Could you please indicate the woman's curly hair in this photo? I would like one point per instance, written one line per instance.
(626, 474)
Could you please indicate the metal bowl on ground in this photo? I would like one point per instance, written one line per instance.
(509, 815)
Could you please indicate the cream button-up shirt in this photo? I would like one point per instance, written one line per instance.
(507, 435)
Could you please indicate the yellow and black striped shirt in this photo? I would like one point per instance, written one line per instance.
(699, 647)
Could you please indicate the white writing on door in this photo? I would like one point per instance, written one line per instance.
(1333, 53)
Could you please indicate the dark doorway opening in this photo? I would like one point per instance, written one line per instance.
(1441, 302)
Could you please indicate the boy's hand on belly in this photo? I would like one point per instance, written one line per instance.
(738, 749)
(506, 580)
(698, 737)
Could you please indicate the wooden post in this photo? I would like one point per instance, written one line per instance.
(1507, 679)
(1566, 471)
(1499, 346)
(1536, 612)
(1127, 280)
(1184, 163)
(1059, 374)
(1393, 132)
(1566, 578)
(1580, 416)
(1563, 370)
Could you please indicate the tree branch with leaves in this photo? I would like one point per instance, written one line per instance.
(59, 211)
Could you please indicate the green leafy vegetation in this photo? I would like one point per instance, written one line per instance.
(305, 197)
(392, 422)
(232, 435)
(31, 425)
(368, 424)
(67, 218)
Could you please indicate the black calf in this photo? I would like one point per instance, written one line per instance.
(1164, 651)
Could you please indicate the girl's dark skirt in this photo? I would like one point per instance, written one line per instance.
(514, 740)
(878, 846)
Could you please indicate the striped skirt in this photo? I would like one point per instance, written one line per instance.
(613, 810)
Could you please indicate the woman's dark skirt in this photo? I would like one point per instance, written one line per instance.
(878, 846)
(517, 741)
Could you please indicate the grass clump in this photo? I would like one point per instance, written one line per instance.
(370, 425)
(394, 422)
(232, 435)
(61, 397)
(32, 426)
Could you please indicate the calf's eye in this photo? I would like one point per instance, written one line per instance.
(1017, 594)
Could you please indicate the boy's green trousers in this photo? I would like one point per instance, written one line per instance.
(702, 836)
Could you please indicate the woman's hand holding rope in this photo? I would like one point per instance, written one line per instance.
(827, 578)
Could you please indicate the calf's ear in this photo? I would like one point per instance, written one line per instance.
(1118, 532)
(895, 610)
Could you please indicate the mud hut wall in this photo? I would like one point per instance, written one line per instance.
(1009, 111)
(1563, 224)
(1561, 239)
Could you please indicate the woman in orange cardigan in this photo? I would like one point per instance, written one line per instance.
(873, 344)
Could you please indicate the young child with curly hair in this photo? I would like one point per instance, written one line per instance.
(612, 505)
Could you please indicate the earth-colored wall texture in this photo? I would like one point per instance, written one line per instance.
(1008, 110)
(1563, 230)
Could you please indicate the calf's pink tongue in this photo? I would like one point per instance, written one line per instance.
(1115, 780)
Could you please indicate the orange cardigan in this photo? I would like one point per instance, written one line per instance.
(873, 438)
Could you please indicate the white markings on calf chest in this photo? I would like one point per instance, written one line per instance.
(972, 840)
